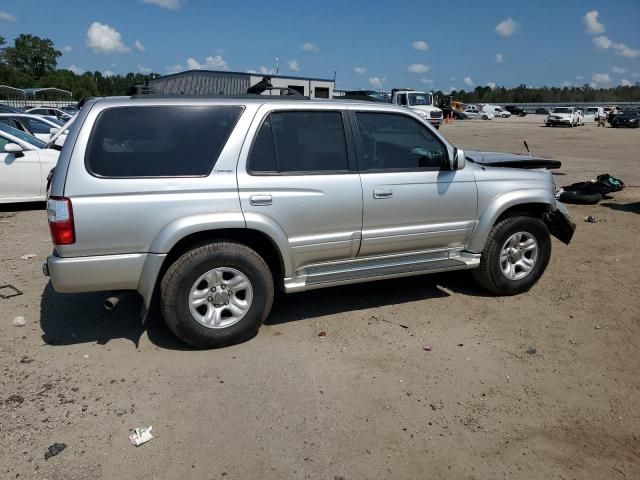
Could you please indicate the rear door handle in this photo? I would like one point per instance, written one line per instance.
(260, 200)
(382, 193)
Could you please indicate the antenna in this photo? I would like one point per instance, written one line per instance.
(482, 163)
(527, 147)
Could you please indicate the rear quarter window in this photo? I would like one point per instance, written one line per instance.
(159, 141)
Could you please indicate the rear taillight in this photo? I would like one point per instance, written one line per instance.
(60, 216)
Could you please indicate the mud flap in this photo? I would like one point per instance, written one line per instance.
(560, 223)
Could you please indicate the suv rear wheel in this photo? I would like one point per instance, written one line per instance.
(217, 294)
(515, 256)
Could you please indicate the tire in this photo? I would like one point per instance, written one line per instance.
(580, 197)
(484, 117)
(228, 261)
(490, 274)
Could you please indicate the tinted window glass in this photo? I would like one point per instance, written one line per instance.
(263, 154)
(304, 142)
(159, 141)
(36, 126)
(392, 142)
(3, 142)
(25, 137)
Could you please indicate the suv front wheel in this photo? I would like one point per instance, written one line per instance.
(515, 255)
(217, 294)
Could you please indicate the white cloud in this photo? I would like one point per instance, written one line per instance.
(360, 70)
(145, 70)
(453, 79)
(601, 78)
(579, 77)
(7, 17)
(451, 89)
(635, 74)
(139, 46)
(418, 68)
(427, 81)
(376, 82)
(468, 81)
(625, 83)
(507, 27)
(265, 70)
(168, 4)
(619, 70)
(108, 73)
(251, 71)
(420, 45)
(604, 43)
(67, 49)
(175, 68)
(75, 69)
(102, 38)
(310, 47)
(113, 65)
(491, 85)
(592, 25)
(593, 85)
(566, 84)
(499, 58)
(215, 62)
(293, 65)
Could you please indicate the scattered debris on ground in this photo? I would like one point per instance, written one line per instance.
(8, 291)
(427, 348)
(28, 256)
(531, 350)
(322, 334)
(140, 436)
(590, 219)
(19, 322)
(54, 450)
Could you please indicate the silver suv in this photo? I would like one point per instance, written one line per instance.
(208, 203)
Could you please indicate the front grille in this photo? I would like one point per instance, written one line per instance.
(435, 114)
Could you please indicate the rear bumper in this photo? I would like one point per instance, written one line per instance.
(94, 274)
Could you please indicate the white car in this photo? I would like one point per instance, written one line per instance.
(567, 116)
(475, 113)
(496, 111)
(50, 111)
(36, 125)
(25, 164)
(594, 113)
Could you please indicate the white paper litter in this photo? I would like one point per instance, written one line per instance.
(140, 436)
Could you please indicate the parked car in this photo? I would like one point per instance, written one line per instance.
(9, 109)
(567, 116)
(593, 114)
(25, 164)
(52, 111)
(36, 125)
(496, 111)
(515, 110)
(541, 111)
(628, 118)
(580, 115)
(210, 203)
(475, 113)
(447, 112)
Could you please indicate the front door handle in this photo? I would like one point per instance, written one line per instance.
(260, 200)
(382, 193)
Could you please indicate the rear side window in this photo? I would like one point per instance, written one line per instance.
(159, 141)
(300, 142)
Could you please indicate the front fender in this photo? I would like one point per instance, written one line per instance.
(502, 203)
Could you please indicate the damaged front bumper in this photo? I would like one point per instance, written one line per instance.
(560, 223)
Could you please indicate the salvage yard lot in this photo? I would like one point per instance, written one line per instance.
(364, 400)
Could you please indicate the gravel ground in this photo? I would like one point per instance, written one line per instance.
(364, 400)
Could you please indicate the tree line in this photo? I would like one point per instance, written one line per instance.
(32, 62)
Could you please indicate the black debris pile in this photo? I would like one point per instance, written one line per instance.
(591, 192)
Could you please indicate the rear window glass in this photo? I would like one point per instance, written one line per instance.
(159, 141)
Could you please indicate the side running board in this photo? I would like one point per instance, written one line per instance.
(356, 271)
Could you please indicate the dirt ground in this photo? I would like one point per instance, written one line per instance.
(365, 401)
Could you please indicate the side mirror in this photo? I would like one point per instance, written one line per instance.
(459, 159)
(53, 130)
(13, 148)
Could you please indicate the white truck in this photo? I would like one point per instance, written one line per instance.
(421, 103)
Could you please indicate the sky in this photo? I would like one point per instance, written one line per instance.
(443, 45)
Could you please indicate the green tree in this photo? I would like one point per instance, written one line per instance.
(31, 55)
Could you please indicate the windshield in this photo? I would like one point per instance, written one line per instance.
(561, 110)
(629, 114)
(25, 137)
(419, 99)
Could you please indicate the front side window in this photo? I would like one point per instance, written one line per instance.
(299, 142)
(397, 142)
(36, 126)
(159, 141)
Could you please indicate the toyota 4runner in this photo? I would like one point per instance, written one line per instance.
(207, 204)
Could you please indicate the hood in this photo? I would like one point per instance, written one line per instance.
(511, 160)
(425, 108)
